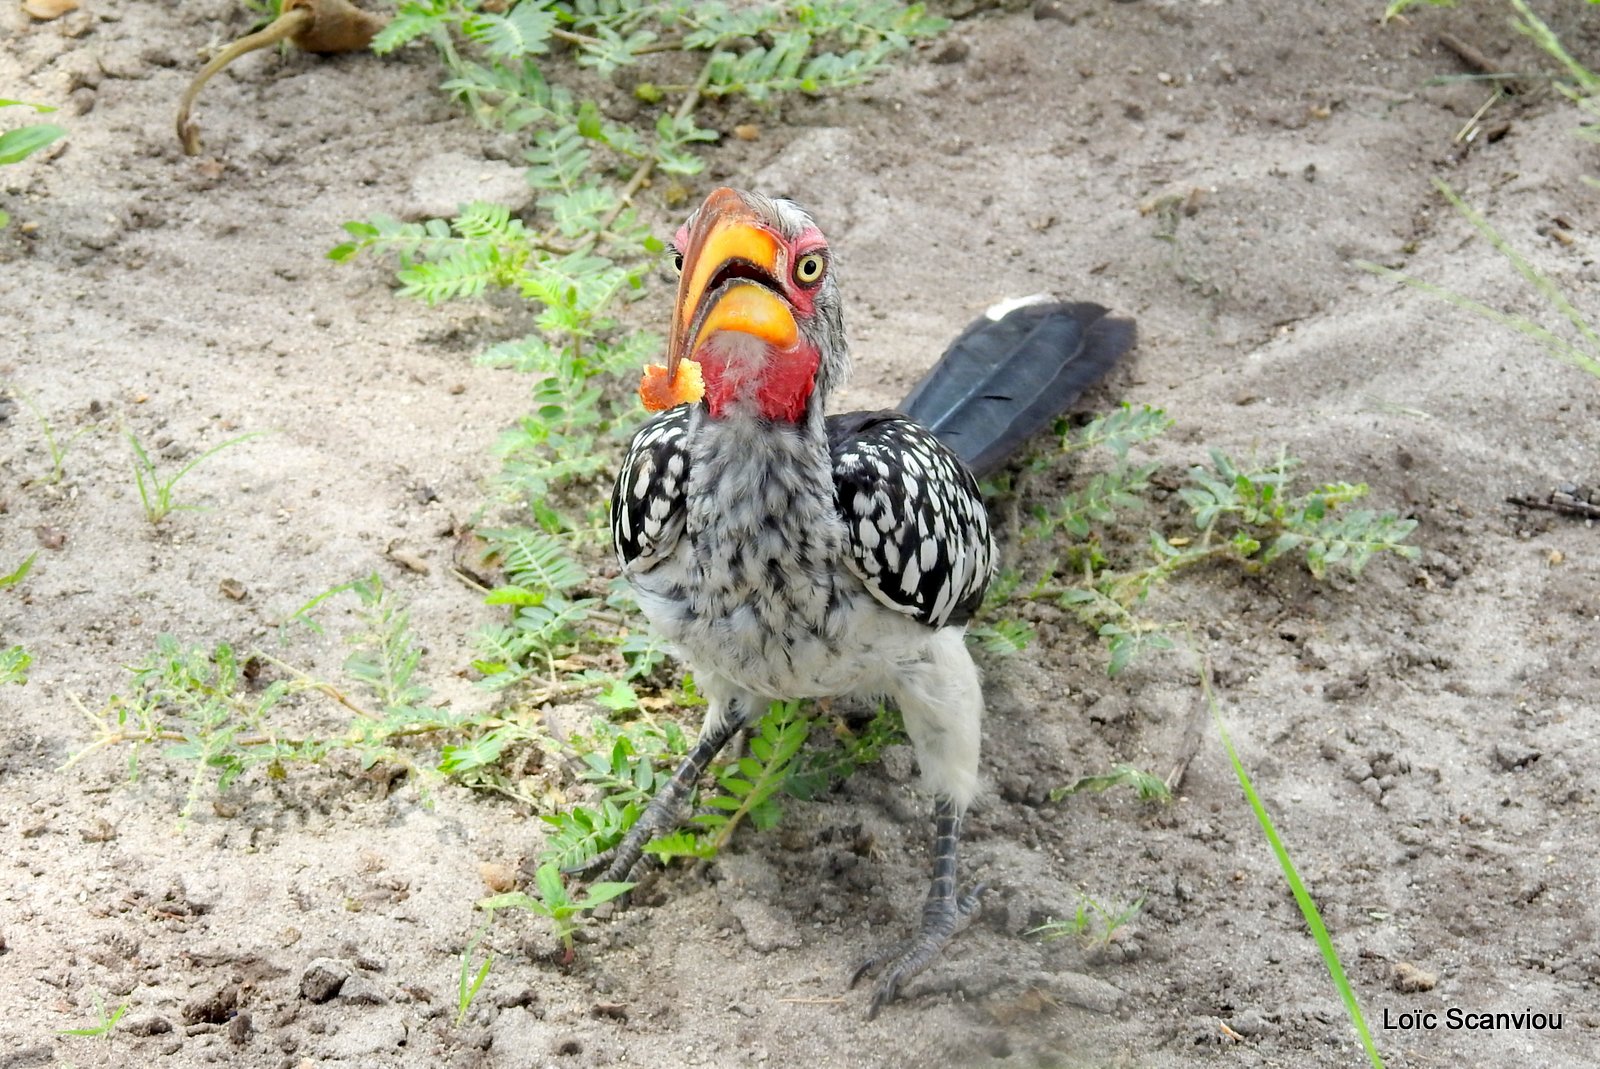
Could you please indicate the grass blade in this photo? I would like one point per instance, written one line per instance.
(1308, 908)
(1535, 278)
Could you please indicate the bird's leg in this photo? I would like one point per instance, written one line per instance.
(943, 914)
(666, 808)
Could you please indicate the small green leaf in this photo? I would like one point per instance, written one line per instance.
(619, 695)
(17, 145)
(551, 889)
(20, 574)
(588, 121)
(603, 892)
(511, 900)
(514, 595)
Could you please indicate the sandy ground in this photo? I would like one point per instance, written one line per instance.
(1418, 735)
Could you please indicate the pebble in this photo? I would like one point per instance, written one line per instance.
(215, 1008)
(152, 1025)
(441, 184)
(323, 978)
(766, 927)
(1408, 979)
(1249, 1023)
(1087, 992)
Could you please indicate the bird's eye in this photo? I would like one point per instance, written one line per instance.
(808, 269)
(677, 261)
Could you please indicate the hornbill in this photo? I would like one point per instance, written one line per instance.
(786, 553)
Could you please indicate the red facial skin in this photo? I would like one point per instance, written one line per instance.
(787, 378)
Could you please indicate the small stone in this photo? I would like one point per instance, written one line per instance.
(359, 990)
(1512, 757)
(322, 979)
(233, 589)
(766, 927)
(1249, 1023)
(409, 560)
(239, 1028)
(1087, 992)
(897, 763)
(1407, 979)
(153, 1025)
(497, 877)
(44, 10)
(98, 830)
(522, 997)
(441, 184)
(215, 1008)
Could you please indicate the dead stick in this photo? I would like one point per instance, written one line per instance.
(289, 24)
(1568, 508)
(320, 26)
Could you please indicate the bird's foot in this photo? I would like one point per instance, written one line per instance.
(942, 920)
(611, 866)
(627, 862)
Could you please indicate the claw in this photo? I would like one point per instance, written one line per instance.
(942, 921)
(591, 865)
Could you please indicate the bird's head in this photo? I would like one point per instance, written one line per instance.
(757, 308)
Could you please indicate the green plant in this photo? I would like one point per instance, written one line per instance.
(20, 573)
(105, 1023)
(1002, 637)
(14, 660)
(469, 981)
(1396, 7)
(546, 622)
(156, 489)
(1247, 514)
(1149, 788)
(1583, 353)
(14, 664)
(220, 711)
(17, 145)
(1308, 908)
(556, 903)
(629, 763)
(1094, 922)
(58, 450)
(747, 787)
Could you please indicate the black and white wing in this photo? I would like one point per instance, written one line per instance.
(647, 503)
(917, 533)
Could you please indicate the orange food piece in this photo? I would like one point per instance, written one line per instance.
(659, 393)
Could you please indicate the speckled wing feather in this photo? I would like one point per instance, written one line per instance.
(647, 503)
(916, 530)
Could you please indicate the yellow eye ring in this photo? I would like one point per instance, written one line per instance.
(677, 261)
(808, 269)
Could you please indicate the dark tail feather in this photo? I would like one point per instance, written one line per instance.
(1003, 381)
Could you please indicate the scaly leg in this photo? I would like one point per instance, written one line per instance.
(943, 915)
(666, 809)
